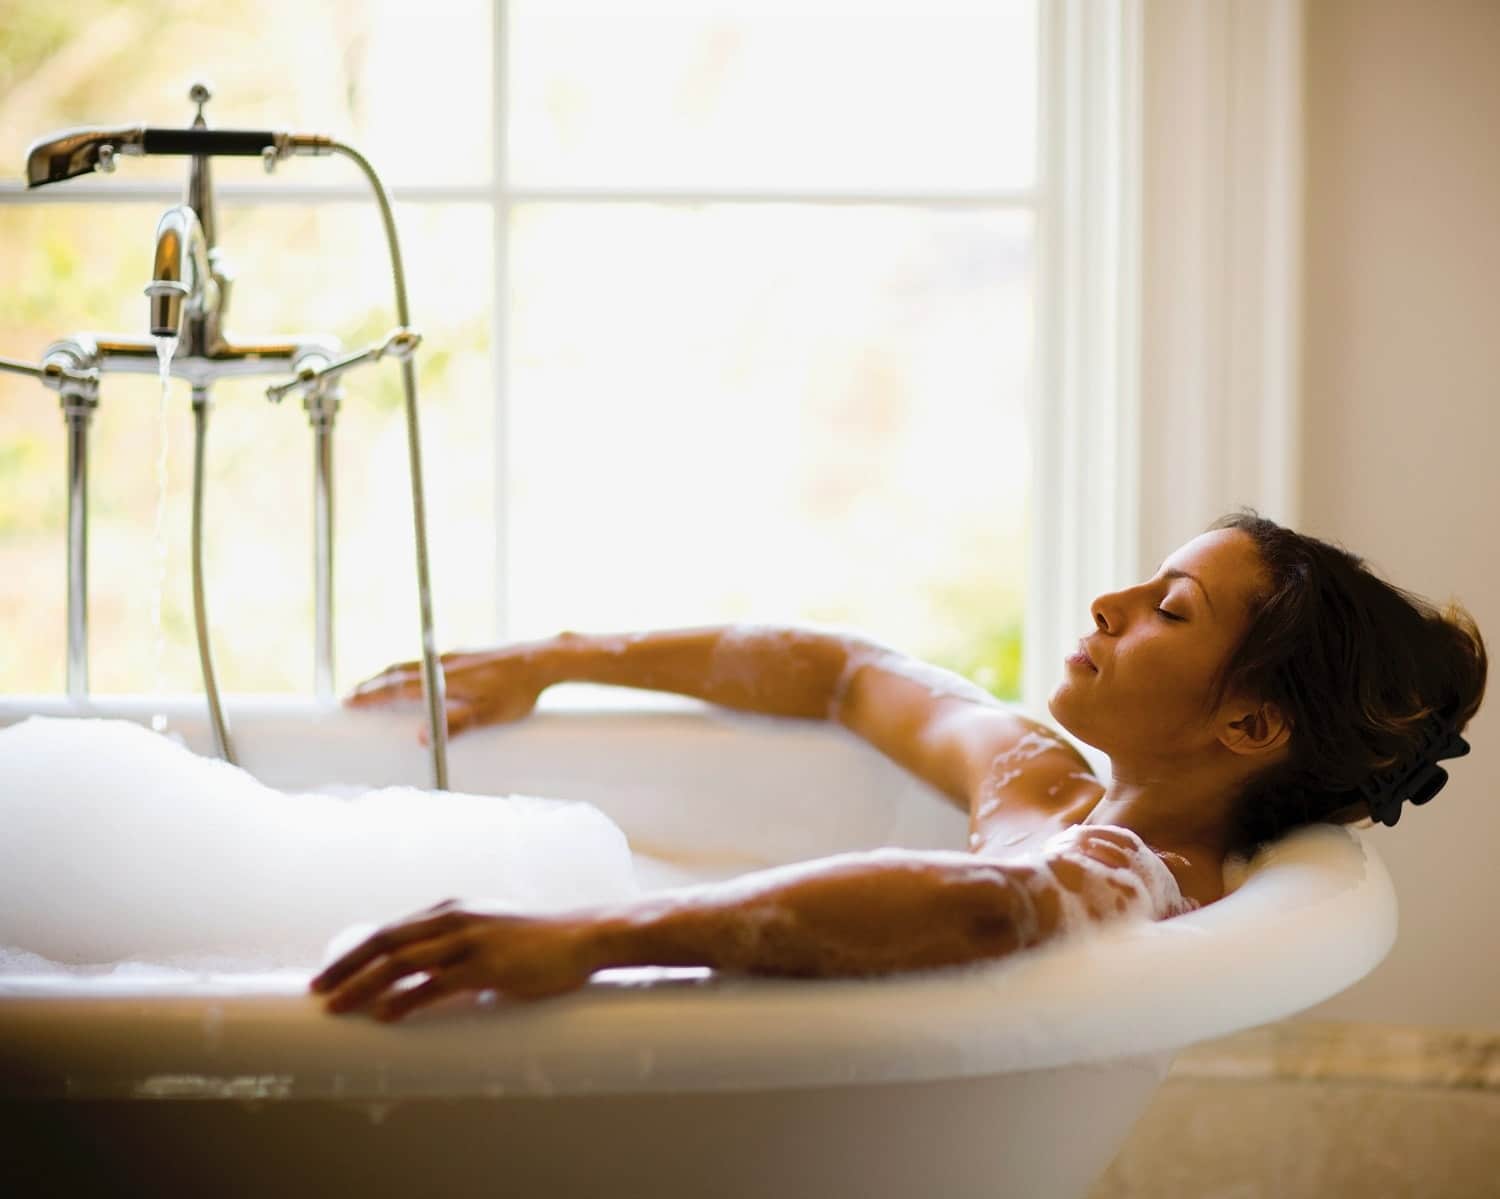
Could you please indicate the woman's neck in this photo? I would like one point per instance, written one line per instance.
(1181, 810)
(1184, 825)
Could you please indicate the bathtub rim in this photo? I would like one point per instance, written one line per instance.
(214, 1032)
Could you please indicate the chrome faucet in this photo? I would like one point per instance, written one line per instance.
(188, 294)
(181, 278)
(190, 288)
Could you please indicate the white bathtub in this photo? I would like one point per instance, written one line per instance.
(1016, 1077)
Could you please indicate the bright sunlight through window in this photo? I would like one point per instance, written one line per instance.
(728, 314)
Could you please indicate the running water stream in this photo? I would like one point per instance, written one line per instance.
(166, 346)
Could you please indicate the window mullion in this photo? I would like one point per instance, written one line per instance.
(1085, 405)
(138, 191)
(500, 202)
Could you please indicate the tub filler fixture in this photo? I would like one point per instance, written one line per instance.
(187, 300)
(1019, 1076)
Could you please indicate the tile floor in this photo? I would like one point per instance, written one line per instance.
(1321, 1110)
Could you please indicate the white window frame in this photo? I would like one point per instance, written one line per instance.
(1133, 331)
(1168, 349)
(1084, 434)
(499, 194)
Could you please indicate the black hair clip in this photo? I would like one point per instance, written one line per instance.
(1420, 778)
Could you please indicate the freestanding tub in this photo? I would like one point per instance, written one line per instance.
(1016, 1077)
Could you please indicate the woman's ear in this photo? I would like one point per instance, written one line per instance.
(1253, 728)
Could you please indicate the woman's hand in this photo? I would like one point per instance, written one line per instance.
(524, 957)
(490, 686)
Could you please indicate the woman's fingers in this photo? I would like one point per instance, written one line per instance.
(386, 941)
(461, 714)
(378, 976)
(404, 679)
(399, 682)
(399, 1003)
(521, 955)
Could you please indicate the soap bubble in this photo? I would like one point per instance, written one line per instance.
(117, 843)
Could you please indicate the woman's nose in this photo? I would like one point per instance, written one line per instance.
(1108, 612)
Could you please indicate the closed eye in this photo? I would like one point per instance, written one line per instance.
(1171, 616)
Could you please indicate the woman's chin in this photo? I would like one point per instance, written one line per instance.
(1061, 704)
(1057, 705)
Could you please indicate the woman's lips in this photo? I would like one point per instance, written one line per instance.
(1080, 657)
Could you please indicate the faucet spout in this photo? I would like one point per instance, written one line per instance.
(181, 277)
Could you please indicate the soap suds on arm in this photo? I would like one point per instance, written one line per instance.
(1089, 874)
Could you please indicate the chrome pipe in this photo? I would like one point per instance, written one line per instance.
(20, 368)
(433, 685)
(72, 368)
(78, 413)
(121, 354)
(322, 404)
(220, 725)
(200, 194)
(323, 562)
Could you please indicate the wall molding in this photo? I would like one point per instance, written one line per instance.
(1220, 295)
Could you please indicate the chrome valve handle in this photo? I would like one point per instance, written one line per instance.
(59, 372)
(399, 344)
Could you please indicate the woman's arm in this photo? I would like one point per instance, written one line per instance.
(869, 912)
(853, 914)
(944, 729)
(887, 910)
(935, 723)
(778, 670)
(874, 912)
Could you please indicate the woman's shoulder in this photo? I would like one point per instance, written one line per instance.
(1029, 792)
(1108, 865)
(1197, 872)
(1021, 759)
(1010, 754)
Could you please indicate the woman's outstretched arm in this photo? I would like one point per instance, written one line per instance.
(919, 715)
(853, 914)
(887, 910)
(778, 670)
(873, 912)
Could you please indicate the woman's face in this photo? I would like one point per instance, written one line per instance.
(1156, 652)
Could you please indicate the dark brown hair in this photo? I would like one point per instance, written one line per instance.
(1359, 668)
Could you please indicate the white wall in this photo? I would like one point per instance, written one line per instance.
(1401, 385)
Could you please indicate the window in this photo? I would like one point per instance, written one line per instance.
(730, 312)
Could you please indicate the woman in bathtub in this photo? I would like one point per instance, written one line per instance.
(1258, 681)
